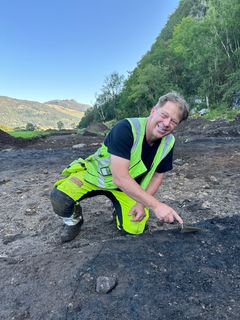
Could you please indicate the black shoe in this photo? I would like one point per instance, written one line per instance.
(70, 232)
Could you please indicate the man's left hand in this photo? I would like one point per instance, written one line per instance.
(138, 212)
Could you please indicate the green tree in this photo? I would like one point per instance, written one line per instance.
(106, 100)
(191, 57)
(231, 88)
(224, 20)
(152, 82)
(60, 125)
(87, 118)
(106, 104)
(30, 127)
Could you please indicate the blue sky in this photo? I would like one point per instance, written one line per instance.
(64, 49)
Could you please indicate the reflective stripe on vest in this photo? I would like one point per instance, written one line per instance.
(137, 127)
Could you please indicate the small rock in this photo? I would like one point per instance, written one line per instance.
(30, 212)
(43, 218)
(178, 162)
(99, 212)
(190, 176)
(87, 277)
(74, 307)
(203, 111)
(78, 146)
(213, 180)
(206, 205)
(7, 150)
(206, 186)
(3, 256)
(185, 202)
(106, 283)
(3, 181)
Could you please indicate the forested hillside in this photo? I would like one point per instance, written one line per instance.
(196, 54)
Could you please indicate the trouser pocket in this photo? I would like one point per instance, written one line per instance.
(71, 186)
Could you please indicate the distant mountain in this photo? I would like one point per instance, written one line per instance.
(15, 113)
(70, 104)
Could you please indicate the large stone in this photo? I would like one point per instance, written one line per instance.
(106, 283)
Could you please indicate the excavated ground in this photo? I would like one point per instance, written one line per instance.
(162, 274)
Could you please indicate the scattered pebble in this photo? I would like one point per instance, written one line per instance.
(206, 205)
(106, 283)
(30, 212)
(78, 146)
(3, 181)
(178, 162)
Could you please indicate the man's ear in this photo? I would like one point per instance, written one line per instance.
(153, 110)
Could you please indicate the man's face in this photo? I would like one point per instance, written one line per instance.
(162, 121)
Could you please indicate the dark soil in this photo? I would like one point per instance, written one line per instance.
(162, 274)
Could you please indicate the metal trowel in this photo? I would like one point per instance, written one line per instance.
(184, 228)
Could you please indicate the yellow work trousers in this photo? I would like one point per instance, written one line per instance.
(78, 189)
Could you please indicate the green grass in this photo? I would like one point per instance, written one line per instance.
(222, 112)
(218, 112)
(27, 134)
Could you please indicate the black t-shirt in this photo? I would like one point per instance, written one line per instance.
(119, 142)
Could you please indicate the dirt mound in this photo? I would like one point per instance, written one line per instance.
(205, 128)
(5, 137)
(96, 129)
(52, 141)
(7, 141)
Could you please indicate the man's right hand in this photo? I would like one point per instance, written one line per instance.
(166, 214)
(121, 177)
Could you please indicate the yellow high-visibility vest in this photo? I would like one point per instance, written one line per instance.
(98, 166)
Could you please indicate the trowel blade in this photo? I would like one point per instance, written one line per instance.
(189, 229)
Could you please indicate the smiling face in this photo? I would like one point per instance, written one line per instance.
(162, 121)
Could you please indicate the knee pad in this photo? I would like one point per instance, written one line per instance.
(62, 204)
